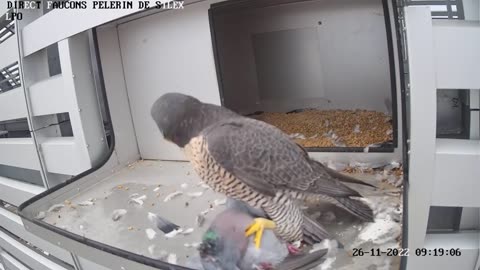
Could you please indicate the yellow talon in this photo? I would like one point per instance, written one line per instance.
(257, 227)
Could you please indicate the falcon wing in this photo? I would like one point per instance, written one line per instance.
(266, 159)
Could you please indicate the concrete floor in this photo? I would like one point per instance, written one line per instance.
(90, 214)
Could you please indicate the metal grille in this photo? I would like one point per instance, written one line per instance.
(9, 77)
(7, 29)
(447, 9)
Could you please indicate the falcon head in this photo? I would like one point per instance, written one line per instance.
(175, 115)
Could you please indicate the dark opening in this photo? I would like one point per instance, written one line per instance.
(16, 128)
(453, 114)
(321, 71)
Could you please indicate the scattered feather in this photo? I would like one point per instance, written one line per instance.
(55, 208)
(356, 129)
(173, 233)
(162, 255)
(381, 231)
(133, 195)
(172, 195)
(184, 185)
(41, 215)
(218, 202)
(187, 231)
(391, 166)
(298, 136)
(161, 223)
(151, 249)
(204, 212)
(200, 220)
(195, 194)
(338, 166)
(203, 185)
(172, 258)
(88, 202)
(140, 200)
(156, 189)
(334, 138)
(297, 244)
(118, 214)
(150, 233)
(192, 245)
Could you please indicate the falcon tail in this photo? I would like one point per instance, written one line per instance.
(337, 175)
(313, 232)
(355, 207)
(304, 261)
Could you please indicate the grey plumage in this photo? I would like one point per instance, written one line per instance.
(253, 161)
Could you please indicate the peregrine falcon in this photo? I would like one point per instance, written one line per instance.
(254, 162)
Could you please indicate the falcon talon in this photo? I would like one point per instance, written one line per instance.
(258, 226)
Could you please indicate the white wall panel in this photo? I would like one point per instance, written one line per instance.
(16, 192)
(126, 147)
(457, 54)
(471, 8)
(9, 50)
(457, 170)
(167, 52)
(13, 223)
(11, 263)
(19, 152)
(423, 95)
(85, 116)
(79, 20)
(3, 7)
(49, 97)
(27, 256)
(35, 38)
(13, 104)
(63, 155)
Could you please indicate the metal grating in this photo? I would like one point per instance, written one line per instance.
(446, 9)
(7, 29)
(9, 77)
